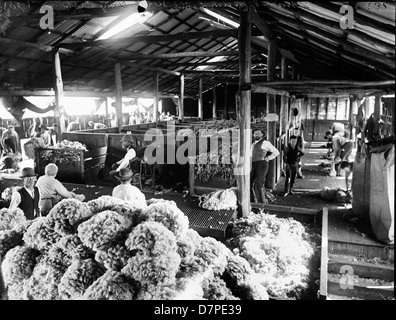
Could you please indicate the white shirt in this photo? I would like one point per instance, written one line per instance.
(50, 187)
(266, 146)
(16, 199)
(131, 153)
(128, 192)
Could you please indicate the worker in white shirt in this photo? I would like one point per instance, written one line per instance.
(262, 151)
(127, 143)
(342, 149)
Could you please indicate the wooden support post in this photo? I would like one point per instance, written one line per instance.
(58, 86)
(369, 107)
(352, 120)
(243, 99)
(214, 102)
(181, 98)
(191, 175)
(309, 108)
(284, 100)
(271, 108)
(118, 95)
(107, 105)
(377, 107)
(155, 89)
(225, 101)
(200, 100)
(324, 255)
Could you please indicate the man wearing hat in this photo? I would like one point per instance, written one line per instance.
(28, 197)
(127, 143)
(125, 191)
(262, 151)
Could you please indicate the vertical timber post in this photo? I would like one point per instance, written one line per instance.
(155, 89)
(225, 101)
(118, 95)
(181, 98)
(200, 100)
(271, 108)
(58, 86)
(283, 112)
(214, 102)
(243, 99)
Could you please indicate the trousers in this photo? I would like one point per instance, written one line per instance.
(291, 173)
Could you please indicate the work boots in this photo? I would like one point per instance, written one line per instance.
(291, 191)
(261, 195)
(286, 189)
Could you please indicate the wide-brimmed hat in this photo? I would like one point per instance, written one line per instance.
(127, 137)
(44, 126)
(123, 174)
(28, 172)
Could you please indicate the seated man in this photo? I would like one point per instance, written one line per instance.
(127, 143)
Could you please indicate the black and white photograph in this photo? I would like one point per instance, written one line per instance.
(199, 156)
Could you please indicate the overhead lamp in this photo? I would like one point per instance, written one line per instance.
(128, 22)
(220, 17)
(142, 6)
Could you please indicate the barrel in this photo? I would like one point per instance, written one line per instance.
(382, 186)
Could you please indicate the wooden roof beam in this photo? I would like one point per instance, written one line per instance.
(284, 28)
(349, 46)
(262, 26)
(334, 24)
(182, 36)
(79, 14)
(24, 44)
(359, 18)
(177, 55)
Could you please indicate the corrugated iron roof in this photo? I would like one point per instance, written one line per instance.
(308, 33)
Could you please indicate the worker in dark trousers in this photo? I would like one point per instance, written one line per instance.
(262, 151)
(291, 157)
(348, 170)
(300, 144)
(342, 149)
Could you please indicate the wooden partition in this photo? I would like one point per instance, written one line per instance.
(84, 170)
(104, 130)
(316, 129)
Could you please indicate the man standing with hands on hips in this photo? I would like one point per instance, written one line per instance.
(262, 151)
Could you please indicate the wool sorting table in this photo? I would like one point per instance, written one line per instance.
(206, 223)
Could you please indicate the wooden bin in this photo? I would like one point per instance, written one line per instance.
(84, 171)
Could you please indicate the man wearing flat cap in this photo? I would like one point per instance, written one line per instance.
(28, 197)
(127, 143)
